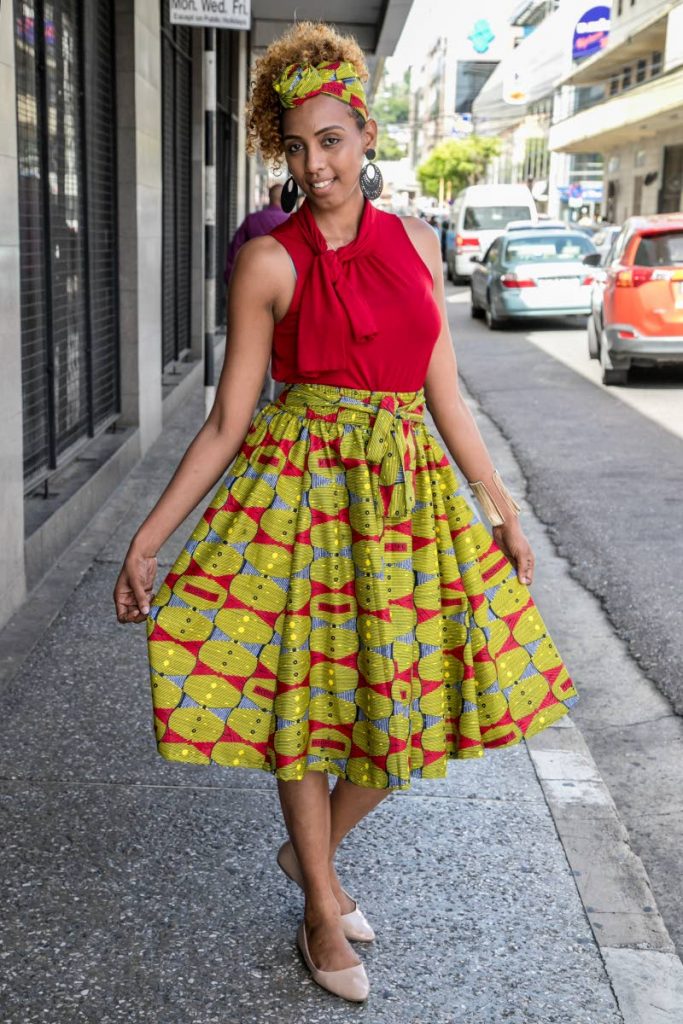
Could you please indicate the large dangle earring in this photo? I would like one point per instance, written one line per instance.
(371, 181)
(289, 196)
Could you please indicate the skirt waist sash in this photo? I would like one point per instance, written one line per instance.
(390, 448)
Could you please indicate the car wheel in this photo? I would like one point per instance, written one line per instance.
(492, 322)
(476, 312)
(610, 374)
(593, 340)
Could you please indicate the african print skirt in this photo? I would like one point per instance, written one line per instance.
(341, 607)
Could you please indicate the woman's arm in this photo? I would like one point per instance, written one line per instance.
(452, 416)
(260, 281)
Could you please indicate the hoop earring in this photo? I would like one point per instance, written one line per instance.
(371, 181)
(290, 194)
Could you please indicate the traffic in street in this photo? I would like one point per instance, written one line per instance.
(603, 466)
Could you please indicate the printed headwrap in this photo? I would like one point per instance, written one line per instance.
(338, 78)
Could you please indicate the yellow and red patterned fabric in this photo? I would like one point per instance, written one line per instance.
(339, 78)
(340, 607)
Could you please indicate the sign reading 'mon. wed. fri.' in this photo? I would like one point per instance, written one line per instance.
(211, 13)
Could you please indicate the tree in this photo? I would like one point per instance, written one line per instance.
(389, 149)
(392, 102)
(391, 111)
(461, 162)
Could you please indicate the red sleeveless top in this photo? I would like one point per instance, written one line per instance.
(363, 315)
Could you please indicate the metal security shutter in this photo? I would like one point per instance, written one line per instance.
(67, 274)
(100, 138)
(176, 72)
(32, 228)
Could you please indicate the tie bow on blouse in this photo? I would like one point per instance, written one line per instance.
(333, 289)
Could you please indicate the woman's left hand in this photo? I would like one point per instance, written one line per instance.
(511, 540)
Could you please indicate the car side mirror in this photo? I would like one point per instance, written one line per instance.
(592, 259)
(476, 259)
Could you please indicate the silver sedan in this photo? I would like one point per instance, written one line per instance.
(527, 274)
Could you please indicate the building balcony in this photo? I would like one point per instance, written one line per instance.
(632, 116)
(650, 35)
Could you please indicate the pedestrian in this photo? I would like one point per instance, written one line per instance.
(339, 609)
(444, 239)
(260, 222)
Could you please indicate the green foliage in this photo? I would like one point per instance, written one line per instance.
(389, 149)
(392, 102)
(461, 162)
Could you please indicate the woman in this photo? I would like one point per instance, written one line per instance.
(339, 609)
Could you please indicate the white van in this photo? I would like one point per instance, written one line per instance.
(480, 213)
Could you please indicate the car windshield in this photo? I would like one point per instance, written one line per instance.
(492, 218)
(548, 248)
(665, 250)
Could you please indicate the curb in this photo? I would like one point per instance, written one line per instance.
(644, 969)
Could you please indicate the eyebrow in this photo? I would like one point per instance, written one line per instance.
(321, 131)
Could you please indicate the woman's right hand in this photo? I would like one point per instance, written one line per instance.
(134, 586)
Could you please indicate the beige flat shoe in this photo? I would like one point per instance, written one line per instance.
(349, 983)
(355, 924)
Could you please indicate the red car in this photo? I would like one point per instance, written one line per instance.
(640, 318)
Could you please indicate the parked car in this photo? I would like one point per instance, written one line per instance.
(542, 225)
(530, 274)
(603, 239)
(594, 323)
(480, 214)
(639, 318)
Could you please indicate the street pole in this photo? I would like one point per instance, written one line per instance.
(209, 215)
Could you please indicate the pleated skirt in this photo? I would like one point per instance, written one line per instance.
(341, 607)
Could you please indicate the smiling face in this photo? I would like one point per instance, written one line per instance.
(325, 147)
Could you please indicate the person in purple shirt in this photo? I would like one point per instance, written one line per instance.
(254, 224)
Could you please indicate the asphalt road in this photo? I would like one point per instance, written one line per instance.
(604, 472)
(606, 477)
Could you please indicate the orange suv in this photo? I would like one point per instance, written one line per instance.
(639, 320)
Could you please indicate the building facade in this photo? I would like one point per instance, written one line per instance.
(102, 154)
(635, 121)
(464, 53)
(522, 99)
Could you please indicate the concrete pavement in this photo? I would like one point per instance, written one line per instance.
(138, 890)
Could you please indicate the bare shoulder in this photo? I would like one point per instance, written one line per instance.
(263, 268)
(425, 240)
(263, 255)
(418, 227)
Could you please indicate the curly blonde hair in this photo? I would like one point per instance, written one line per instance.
(306, 42)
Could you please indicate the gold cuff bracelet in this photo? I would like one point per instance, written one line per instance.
(487, 502)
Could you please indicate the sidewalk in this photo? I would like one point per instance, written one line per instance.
(142, 891)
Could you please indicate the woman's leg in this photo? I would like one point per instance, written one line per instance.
(306, 810)
(348, 805)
